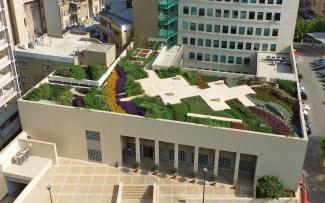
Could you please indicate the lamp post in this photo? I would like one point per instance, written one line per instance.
(49, 189)
(205, 170)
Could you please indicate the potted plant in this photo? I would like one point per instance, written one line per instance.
(136, 166)
(214, 179)
(174, 171)
(194, 175)
(155, 169)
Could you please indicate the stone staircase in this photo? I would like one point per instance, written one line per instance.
(137, 192)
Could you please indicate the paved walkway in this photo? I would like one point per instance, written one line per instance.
(80, 182)
(172, 90)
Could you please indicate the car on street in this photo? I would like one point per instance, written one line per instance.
(317, 68)
(321, 72)
(300, 76)
(318, 62)
(303, 94)
(306, 107)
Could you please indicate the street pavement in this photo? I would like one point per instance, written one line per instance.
(313, 173)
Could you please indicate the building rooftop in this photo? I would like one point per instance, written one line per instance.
(60, 47)
(173, 94)
(119, 12)
(319, 36)
(275, 66)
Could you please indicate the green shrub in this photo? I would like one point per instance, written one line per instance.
(322, 144)
(97, 71)
(93, 100)
(131, 87)
(194, 174)
(58, 93)
(180, 111)
(174, 170)
(136, 71)
(154, 106)
(156, 168)
(210, 78)
(191, 77)
(270, 187)
(214, 178)
(170, 72)
(77, 72)
(288, 86)
(63, 70)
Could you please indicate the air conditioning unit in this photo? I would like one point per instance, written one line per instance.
(22, 155)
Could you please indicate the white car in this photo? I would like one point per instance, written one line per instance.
(302, 88)
(305, 112)
(306, 107)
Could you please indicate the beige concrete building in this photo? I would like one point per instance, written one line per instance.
(116, 24)
(37, 62)
(26, 20)
(318, 6)
(9, 85)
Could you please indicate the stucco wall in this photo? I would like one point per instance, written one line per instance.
(65, 126)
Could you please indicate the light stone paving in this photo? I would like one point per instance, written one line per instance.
(80, 182)
(172, 90)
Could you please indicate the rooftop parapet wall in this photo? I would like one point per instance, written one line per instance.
(277, 155)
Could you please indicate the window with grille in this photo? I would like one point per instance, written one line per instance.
(94, 155)
(203, 159)
(182, 156)
(93, 146)
(171, 155)
(224, 163)
(246, 166)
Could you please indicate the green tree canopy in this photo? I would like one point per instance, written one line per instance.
(270, 187)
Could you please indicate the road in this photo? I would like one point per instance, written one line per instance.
(313, 173)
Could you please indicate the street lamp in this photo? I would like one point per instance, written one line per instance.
(205, 170)
(49, 189)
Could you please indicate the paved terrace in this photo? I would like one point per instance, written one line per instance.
(80, 181)
(172, 90)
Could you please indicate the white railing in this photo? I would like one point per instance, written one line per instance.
(119, 193)
(72, 81)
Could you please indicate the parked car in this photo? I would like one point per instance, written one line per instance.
(306, 107)
(306, 117)
(303, 94)
(300, 76)
(302, 88)
(321, 72)
(308, 129)
(323, 79)
(317, 68)
(318, 62)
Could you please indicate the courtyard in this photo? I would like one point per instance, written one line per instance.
(80, 182)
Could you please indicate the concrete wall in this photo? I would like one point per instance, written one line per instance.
(145, 19)
(100, 58)
(52, 16)
(244, 200)
(277, 155)
(16, 17)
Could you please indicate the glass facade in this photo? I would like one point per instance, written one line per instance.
(167, 20)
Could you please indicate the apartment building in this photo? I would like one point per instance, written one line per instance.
(9, 86)
(26, 20)
(42, 58)
(219, 35)
(116, 24)
(318, 6)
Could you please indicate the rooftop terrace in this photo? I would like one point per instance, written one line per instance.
(242, 103)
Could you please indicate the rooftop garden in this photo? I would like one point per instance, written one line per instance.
(78, 72)
(276, 108)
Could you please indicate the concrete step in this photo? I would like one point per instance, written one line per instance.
(137, 192)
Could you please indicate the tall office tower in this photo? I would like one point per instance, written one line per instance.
(226, 35)
(9, 87)
(223, 35)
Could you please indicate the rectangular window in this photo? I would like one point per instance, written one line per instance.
(266, 31)
(215, 58)
(239, 60)
(200, 42)
(241, 30)
(258, 31)
(224, 44)
(208, 27)
(218, 13)
(192, 41)
(185, 25)
(250, 31)
(201, 12)
(210, 12)
(193, 26)
(240, 45)
(247, 61)
(171, 155)
(223, 59)
(251, 15)
(203, 159)
(216, 43)
(226, 13)
(231, 59)
(199, 56)
(217, 28)
(243, 14)
(248, 46)
(193, 11)
(268, 16)
(207, 57)
(275, 32)
(256, 46)
(225, 29)
(185, 40)
(201, 27)
(233, 30)
(182, 156)
(208, 43)
(234, 14)
(232, 45)
(273, 47)
(92, 135)
(93, 146)
(191, 56)
(185, 10)
(260, 16)
(94, 155)
(265, 47)
(277, 16)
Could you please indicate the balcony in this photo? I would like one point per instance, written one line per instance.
(5, 79)
(8, 94)
(4, 62)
